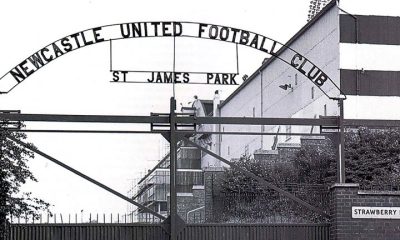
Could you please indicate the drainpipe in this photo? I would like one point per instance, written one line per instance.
(216, 128)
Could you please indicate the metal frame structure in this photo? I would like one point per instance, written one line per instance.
(172, 122)
(174, 135)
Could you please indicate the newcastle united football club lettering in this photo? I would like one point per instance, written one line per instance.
(88, 37)
(179, 77)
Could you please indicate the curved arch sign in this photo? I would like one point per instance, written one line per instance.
(167, 29)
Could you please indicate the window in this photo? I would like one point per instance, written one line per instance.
(325, 110)
(229, 150)
(163, 206)
(312, 92)
(254, 111)
(295, 79)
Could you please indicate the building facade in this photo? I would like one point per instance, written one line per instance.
(358, 52)
(154, 188)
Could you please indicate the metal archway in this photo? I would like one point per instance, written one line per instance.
(174, 29)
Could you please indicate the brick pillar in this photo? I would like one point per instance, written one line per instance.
(342, 224)
(212, 176)
(371, 227)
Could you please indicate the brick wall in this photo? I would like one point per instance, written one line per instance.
(344, 197)
(212, 178)
(187, 202)
(287, 151)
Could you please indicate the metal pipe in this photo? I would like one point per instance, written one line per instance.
(172, 175)
(84, 118)
(194, 210)
(261, 107)
(342, 160)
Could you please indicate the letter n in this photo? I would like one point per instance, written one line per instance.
(17, 74)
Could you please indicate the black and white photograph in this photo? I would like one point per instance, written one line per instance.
(200, 120)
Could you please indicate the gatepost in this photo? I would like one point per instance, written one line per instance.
(358, 214)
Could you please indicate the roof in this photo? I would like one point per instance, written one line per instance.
(165, 158)
(281, 50)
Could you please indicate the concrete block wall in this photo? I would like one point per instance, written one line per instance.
(344, 227)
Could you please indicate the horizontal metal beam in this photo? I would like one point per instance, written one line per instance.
(83, 118)
(258, 121)
(161, 132)
(262, 181)
(165, 119)
(252, 133)
(84, 131)
(371, 123)
(196, 120)
(37, 151)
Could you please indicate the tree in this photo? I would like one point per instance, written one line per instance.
(372, 158)
(14, 172)
(316, 163)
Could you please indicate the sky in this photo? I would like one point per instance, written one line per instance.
(79, 83)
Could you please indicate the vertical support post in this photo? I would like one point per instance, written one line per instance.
(261, 108)
(3, 193)
(173, 204)
(341, 162)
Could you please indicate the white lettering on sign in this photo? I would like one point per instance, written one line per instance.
(376, 212)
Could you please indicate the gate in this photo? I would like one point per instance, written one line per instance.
(157, 232)
(174, 127)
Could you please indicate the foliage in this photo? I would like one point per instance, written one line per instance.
(316, 164)
(235, 181)
(14, 172)
(244, 199)
(372, 159)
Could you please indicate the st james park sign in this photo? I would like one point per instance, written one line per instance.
(122, 31)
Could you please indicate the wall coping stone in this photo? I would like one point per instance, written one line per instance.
(345, 185)
(181, 194)
(184, 194)
(288, 145)
(266, 152)
(213, 169)
(374, 192)
(312, 138)
(198, 187)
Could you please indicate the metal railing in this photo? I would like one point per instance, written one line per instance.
(157, 232)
